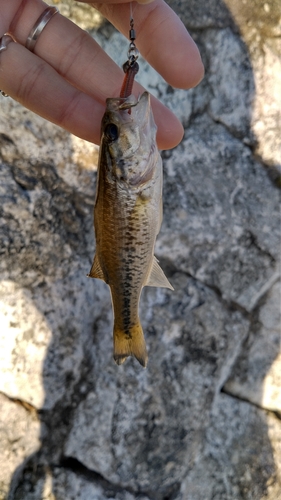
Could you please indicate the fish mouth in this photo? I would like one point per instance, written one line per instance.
(130, 108)
(122, 103)
(128, 105)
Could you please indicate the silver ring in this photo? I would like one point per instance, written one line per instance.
(4, 42)
(38, 27)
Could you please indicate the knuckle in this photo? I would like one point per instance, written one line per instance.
(30, 80)
(68, 109)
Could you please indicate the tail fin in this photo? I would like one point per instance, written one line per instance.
(132, 344)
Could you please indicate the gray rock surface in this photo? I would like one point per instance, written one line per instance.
(239, 454)
(158, 402)
(203, 421)
(19, 438)
(256, 377)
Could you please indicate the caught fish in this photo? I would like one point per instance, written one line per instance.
(128, 216)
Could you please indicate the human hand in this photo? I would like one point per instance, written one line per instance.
(68, 77)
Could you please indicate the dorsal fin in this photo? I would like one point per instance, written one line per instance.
(96, 270)
(157, 277)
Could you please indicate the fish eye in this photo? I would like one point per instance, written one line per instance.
(111, 132)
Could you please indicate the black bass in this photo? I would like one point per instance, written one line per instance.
(128, 216)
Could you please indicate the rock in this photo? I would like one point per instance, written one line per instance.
(256, 375)
(61, 483)
(237, 459)
(261, 30)
(40, 257)
(202, 422)
(216, 229)
(134, 409)
(19, 437)
(230, 104)
(81, 14)
(25, 338)
(214, 14)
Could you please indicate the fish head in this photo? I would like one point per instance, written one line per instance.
(128, 136)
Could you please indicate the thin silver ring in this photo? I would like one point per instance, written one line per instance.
(38, 27)
(4, 42)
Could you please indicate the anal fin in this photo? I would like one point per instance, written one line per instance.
(157, 277)
(96, 270)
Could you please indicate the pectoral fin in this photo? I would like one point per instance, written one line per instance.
(96, 270)
(157, 277)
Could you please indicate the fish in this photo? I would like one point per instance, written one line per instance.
(128, 217)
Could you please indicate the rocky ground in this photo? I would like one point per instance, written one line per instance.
(202, 422)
